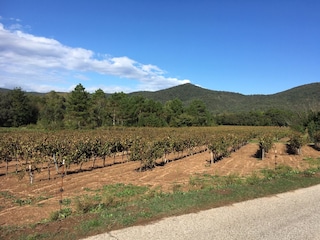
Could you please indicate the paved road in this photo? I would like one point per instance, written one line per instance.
(292, 215)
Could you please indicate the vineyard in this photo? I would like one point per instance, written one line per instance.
(34, 165)
(32, 152)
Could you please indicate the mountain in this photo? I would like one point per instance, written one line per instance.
(304, 97)
(4, 90)
(301, 98)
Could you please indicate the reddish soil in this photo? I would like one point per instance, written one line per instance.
(45, 193)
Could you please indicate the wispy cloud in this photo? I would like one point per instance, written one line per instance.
(81, 77)
(39, 63)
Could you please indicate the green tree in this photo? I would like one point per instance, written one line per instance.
(53, 111)
(78, 108)
(21, 108)
(98, 108)
(116, 105)
(5, 110)
(278, 117)
(184, 120)
(133, 110)
(313, 124)
(16, 109)
(151, 114)
(199, 114)
(173, 109)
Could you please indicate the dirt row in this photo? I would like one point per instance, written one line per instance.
(46, 193)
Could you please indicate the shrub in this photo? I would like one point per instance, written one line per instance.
(317, 140)
(265, 144)
(295, 143)
(84, 204)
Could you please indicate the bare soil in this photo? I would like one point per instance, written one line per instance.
(45, 194)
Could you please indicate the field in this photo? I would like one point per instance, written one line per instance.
(22, 203)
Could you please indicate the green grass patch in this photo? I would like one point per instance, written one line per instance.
(61, 214)
(21, 201)
(110, 196)
(7, 195)
(314, 162)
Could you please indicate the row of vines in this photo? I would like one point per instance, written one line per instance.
(31, 152)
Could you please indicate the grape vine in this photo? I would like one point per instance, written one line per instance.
(34, 151)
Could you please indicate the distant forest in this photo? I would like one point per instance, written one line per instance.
(80, 109)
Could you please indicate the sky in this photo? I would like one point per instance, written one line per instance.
(243, 46)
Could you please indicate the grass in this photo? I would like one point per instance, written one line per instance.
(314, 162)
(21, 201)
(61, 214)
(119, 205)
(7, 195)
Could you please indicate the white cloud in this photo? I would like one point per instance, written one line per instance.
(44, 62)
(16, 26)
(81, 77)
(15, 19)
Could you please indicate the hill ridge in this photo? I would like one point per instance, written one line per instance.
(298, 98)
(304, 98)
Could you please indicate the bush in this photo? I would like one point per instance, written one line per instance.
(317, 140)
(85, 204)
(265, 144)
(295, 143)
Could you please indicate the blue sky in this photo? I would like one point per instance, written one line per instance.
(247, 46)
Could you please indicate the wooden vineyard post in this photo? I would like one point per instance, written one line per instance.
(61, 188)
(16, 167)
(275, 159)
(55, 163)
(49, 176)
(262, 153)
(7, 166)
(30, 173)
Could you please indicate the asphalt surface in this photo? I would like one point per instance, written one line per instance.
(292, 215)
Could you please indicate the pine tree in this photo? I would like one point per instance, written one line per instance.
(78, 115)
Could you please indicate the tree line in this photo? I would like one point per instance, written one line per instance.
(80, 109)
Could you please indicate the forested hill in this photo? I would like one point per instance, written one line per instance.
(305, 97)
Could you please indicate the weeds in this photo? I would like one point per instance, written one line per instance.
(87, 203)
(21, 201)
(280, 172)
(66, 202)
(61, 214)
(89, 225)
(84, 204)
(176, 187)
(7, 195)
(109, 196)
(309, 172)
(254, 179)
(313, 162)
